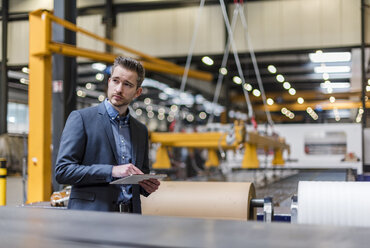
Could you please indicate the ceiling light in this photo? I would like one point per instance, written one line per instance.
(337, 118)
(343, 85)
(286, 85)
(330, 90)
(138, 112)
(150, 114)
(170, 118)
(174, 108)
(271, 69)
(207, 60)
(360, 111)
(163, 96)
(248, 87)
(202, 115)
(332, 99)
(101, 98)
(292, 91)
(237, 80)
(284, 111)
(160, 117)
(300, 100)
(270, 101)
(280, 78)
(368, 88)
(99, 76)
(190, 117)
(88, 86)
(25, 70)
(332, 69)
(309, 110)
(320, 57)
(223, 71)
(256, 92)
(23, 81)
(325, 76)
(99, 66)
(368, 81)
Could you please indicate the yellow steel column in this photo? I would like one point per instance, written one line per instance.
(39, 99)
(250, 159)
(162, 161)
(212, 160)
(278, 157)
(3, 174)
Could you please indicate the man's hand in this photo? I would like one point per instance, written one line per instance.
(150, 185)
(125, 170)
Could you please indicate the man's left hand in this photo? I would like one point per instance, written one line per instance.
(150, 185)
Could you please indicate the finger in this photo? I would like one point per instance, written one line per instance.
(154, 181)
(136, 170)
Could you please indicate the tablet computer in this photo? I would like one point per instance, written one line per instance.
(135, 179)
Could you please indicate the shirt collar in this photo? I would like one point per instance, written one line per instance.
(113, 113)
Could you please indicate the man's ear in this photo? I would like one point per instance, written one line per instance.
(138, 92)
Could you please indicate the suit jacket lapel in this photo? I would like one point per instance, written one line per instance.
(135, 137)
(103, 115)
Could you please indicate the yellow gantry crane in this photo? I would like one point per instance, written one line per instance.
(212, 141)
(41, 48)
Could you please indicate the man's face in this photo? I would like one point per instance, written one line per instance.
(122, 87)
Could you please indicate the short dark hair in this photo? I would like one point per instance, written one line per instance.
(132, 65)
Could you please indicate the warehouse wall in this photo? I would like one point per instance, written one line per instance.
(273, 25)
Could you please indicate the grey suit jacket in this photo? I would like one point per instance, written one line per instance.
(87, 154)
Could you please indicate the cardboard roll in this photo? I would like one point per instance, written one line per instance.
(210, 200)
(334, 203)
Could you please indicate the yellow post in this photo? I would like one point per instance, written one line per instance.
(162, 161)
(212, 160)
(250, 160)
(3, 173)
(278, 157)
(39, 139)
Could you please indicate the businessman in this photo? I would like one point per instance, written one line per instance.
(102, 143)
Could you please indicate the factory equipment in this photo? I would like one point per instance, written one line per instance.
(235, 138)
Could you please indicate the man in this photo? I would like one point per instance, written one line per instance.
(103, 143)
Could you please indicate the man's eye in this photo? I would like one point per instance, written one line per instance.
(127, 84)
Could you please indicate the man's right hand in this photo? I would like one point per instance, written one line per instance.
(125, 170)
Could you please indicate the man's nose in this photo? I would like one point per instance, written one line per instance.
(119, 88)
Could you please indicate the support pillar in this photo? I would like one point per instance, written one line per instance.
(4, 69)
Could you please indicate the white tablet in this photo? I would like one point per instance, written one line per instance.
(135, 179)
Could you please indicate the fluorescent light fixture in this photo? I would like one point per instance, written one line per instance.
(332, 69)
(338, 85)
(280, 78)
(237, 80)
(270, 101)
(99, 66)
(292, 91)
(207, 60)
(286, 85)
(25, 70)
(325, 76)
(300, 100)
(256, 92)
(271, 69)
(320, 57)
(223, 71)
(368, 81)
(248, 87)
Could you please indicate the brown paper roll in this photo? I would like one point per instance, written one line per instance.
(211, 200)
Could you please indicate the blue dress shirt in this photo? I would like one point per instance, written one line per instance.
(122, 138)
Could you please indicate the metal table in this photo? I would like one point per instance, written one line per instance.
(30, 227)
